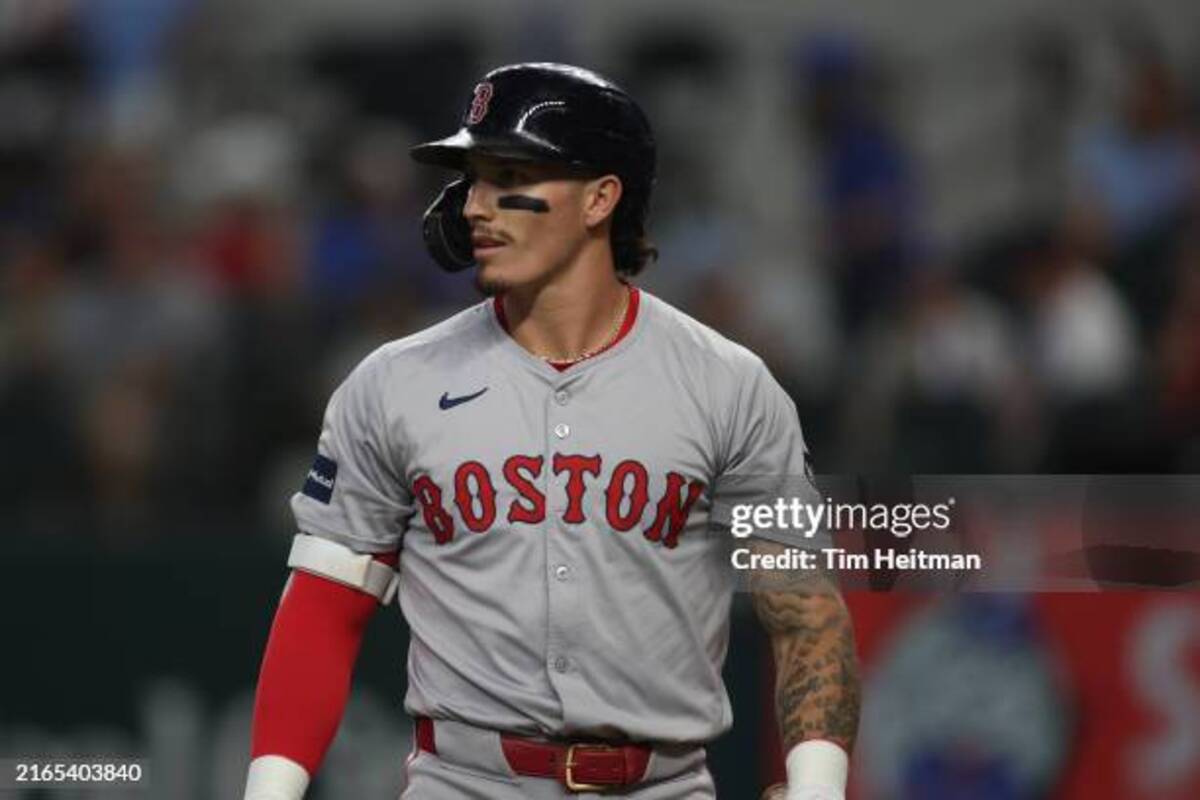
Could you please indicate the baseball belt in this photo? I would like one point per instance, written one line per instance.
(581, 767)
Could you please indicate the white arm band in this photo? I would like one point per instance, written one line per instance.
(275, 778)
(339, 563)
(817, 770)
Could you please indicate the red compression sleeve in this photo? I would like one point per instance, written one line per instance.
(305, 677)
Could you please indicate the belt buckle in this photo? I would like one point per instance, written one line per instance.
(569, 779)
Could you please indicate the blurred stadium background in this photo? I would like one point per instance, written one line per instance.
(964, 236)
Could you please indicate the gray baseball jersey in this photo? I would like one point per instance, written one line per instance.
(560, 574)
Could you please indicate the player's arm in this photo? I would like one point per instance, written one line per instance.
(816, 671)
(816, 676)
(306, 671)
(355, 498)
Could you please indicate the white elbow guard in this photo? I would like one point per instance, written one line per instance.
(341, 564)
(817, 770)
(275, 778)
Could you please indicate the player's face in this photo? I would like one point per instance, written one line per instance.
(527, 220)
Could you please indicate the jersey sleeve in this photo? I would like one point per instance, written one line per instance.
(766, 461)
(354, 492)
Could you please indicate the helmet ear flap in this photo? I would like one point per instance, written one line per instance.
(446, 231)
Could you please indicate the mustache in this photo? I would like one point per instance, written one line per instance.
(479, 233)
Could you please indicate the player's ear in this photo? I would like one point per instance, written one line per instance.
(600, 198)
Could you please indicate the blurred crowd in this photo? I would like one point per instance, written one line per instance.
(196, 248)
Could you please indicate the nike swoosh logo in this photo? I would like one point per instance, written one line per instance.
(447, 402)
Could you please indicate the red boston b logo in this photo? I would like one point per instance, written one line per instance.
(479, 105)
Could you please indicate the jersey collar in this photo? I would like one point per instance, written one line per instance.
(631, 314)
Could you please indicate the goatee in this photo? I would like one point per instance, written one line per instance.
(490, 287)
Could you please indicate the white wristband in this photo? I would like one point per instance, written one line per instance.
(817, 770)
(275, 778)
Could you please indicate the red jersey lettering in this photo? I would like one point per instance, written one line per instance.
(485, 492)
(520, 472)
(437, 519)
(638, 495)
(575, 466)
(670, 510)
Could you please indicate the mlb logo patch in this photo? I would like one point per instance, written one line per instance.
(319, 483)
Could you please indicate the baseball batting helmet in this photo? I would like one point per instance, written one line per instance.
(546, 113)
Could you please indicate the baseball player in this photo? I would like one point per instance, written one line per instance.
(538, 479)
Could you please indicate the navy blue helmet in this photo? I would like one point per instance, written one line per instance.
(551, 113)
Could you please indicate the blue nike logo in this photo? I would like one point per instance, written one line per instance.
(448, 402)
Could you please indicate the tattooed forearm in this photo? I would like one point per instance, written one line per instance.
(816, 668)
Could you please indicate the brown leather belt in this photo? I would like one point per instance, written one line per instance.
(581, 767)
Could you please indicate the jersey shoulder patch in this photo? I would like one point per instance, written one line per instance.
(318, 484)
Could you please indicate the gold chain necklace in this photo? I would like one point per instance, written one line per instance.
(608, 338)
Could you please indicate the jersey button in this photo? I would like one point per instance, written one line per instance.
(562, 396)
(561, 664)
(562, 572)
(562, 430)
